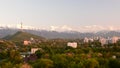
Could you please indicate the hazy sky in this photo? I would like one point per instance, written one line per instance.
(64, 14)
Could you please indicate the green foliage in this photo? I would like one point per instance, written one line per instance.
(113, 63)
(91, 63)
(43, 63)
(6, 45)
(39, 54)
(3, 55)
(7, 65)
(15, 56)
(10, 59)
(103, 62)
(60, 60)
(55, 54)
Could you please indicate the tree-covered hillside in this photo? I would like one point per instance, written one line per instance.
(20, 36)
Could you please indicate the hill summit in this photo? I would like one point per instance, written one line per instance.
(20, 36)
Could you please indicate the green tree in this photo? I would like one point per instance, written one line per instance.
(15, 57)
(43, 63)
(113, 63)
(60, 61)
(39, 53)
(7, 65)
(91, 63)
(103, 62)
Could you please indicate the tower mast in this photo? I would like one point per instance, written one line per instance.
(21, 26)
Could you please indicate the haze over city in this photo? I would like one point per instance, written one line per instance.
(61, 15)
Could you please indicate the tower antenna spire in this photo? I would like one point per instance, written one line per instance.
(21, 26)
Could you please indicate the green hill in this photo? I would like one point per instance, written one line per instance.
(20, 36)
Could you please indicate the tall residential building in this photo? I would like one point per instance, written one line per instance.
(103, 41)
(86, 40)
(115, 39)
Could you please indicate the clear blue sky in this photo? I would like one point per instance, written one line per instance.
(74, 13)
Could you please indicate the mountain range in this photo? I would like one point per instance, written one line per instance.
(55, 34)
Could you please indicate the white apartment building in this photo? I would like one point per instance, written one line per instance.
(33, 50)
(72, 44)
(86, 40)
(103, 41)
(115, 39)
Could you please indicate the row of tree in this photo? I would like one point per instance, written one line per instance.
(55, 54)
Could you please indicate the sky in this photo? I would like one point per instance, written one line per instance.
(61, 15)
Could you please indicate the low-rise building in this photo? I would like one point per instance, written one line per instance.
(72, 44)
(26, 42)
(33, 50)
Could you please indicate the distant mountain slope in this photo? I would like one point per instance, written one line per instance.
(5, 31)
(20, 36)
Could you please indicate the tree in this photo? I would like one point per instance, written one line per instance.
(113, 63)
(7, 65)
(38, 53)
(43, 63)
(91, 63)
(15, 56)
(103, 62)
(60, 61)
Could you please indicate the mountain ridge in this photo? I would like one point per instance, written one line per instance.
(64, 35)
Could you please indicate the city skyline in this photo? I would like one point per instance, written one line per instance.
(78, 15)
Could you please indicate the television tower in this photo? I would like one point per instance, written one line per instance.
(21, 26)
